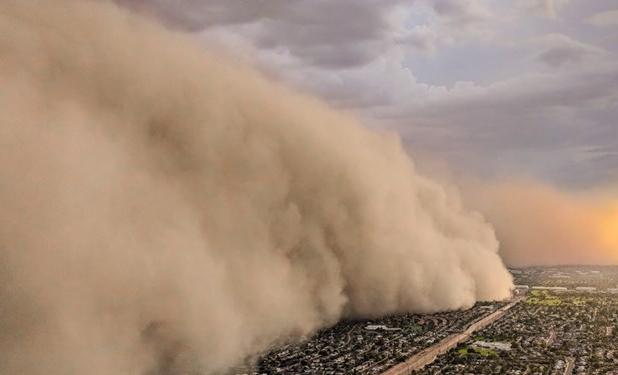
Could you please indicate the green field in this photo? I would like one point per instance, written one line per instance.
(415, 328)
(464, 352)
(545, 298)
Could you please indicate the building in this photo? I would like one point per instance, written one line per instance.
(378, 327)
(505, 346)
(551, 288)
(587, 289)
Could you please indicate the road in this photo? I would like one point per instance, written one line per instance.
(570, 364)
(428, 355)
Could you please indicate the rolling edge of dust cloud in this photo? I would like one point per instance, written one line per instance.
(167, 209)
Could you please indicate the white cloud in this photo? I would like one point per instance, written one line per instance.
(547, 8)
(605, 19)
(422, 37)
(559, 49)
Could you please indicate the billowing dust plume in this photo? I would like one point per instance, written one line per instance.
(165, 211)
(538, 224)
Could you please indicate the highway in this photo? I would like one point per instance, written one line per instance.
(570, 364)
(428, 355)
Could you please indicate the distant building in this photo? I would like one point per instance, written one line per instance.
(585, 289)
(523, 287)
(378, 327)
(612, 290)
(505, 346)
(552, 288)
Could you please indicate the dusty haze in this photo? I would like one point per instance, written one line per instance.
(539, 224)
(166, 211)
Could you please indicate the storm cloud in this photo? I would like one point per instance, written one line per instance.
(437, 71)
(168, 211)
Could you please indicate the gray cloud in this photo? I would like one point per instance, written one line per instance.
(605, 19)
(461, 12)
(330, 34)
(547, 8)
(551, 95)
(559, 49)
(195, 15)
(544, 125)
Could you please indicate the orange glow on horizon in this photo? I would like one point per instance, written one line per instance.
(609, 228)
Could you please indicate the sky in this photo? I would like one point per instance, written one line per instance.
(491, 88)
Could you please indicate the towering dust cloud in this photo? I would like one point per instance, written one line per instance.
(165, 211)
